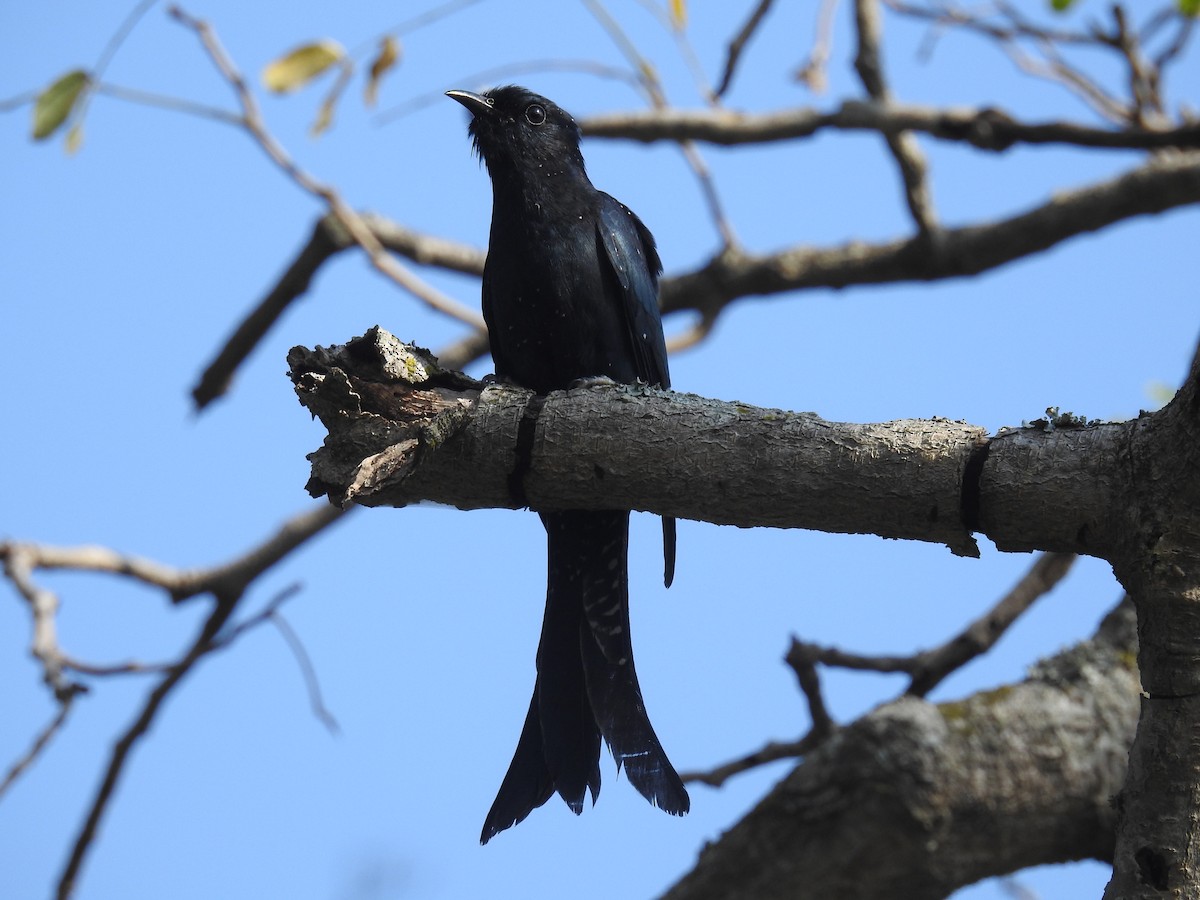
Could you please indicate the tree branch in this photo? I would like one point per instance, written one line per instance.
(328, 239)
(1162, 183)
(928, 668)
(403, 430)
(987, 129)
(738, 44)
(933, 797)
(868, 63)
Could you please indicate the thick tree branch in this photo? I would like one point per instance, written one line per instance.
(1160, 184)
(402, 430)
(391, 444)
(930, 798)
(1158, 837)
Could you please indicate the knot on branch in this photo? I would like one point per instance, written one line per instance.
(988, 129)
(385, 405)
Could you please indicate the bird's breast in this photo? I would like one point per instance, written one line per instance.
(552, 315)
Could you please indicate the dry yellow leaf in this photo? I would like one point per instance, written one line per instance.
(297, 68)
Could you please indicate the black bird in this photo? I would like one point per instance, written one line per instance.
(570, 293)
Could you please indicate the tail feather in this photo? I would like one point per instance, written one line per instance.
(586, 686)
(594, 547)
(570, 737)
(527, 784)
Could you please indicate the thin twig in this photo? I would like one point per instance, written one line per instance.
(165, 101)
(227, 584)
(813, 72)
(771, 752)
(312, 685)
(945, 14)
(39, 744)
(1013, 29)
(414, 23)
(926, 669)
(228, 578)
(489, 76)
(694, 335)
(202, 645)
(658, 100)
(270, 613)
(810, 685)
(929, 668)
(252, 121)
(908, 156)
(328, 239)
(119, 36)
(19, 562)
(737, 45)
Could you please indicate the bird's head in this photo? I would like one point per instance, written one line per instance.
(515, 129)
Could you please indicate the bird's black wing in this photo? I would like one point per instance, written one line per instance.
(629, 249)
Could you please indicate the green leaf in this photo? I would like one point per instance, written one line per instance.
(54, 104)
(389, 55)
(297, 68)
(1061, 5)
(1189, 7)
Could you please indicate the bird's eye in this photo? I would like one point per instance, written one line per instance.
(535, 114)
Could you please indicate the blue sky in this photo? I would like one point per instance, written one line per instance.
(125, 266)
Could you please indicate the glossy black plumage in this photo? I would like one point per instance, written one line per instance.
(570, 291)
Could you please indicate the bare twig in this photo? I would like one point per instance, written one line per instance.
(737, 46)
(203, 644)
(1187, 27)
(487, 77)
(165, 101)
(19, 562)
(229, 578)
(1165, 182)
(930, 667)
(226, 583)
(39, 744)
(1007, 26)
(686, 50)
(654, 91)
(693, 336)
(328, 239)
(772, 752)
(270, 613)
(1146, 103)
(813, 72)
(99, 670)
(926, 669)
(252, 121)
(945, 14)
(313, 686)
(902, 144)
(988, 129)
(810, 685)
(118, 38)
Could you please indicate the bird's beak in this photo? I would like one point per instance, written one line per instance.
(476, 103)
